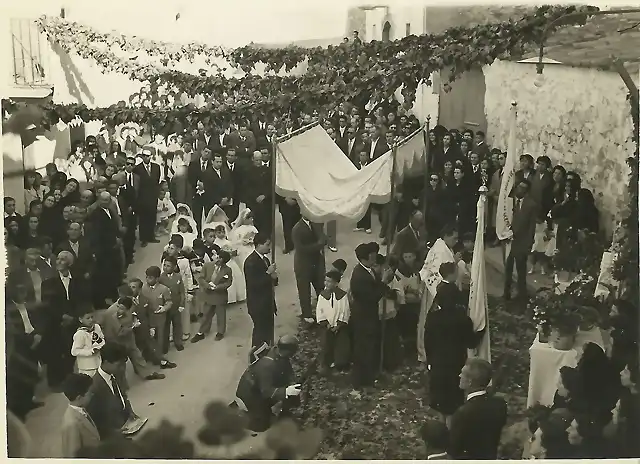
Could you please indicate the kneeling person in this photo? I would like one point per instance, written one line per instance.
(267, 384)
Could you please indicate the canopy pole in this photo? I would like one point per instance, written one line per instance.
(298, 131)
(274, 168)
(390, 228)
(427, 161)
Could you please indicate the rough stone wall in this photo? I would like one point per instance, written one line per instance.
(578, 117)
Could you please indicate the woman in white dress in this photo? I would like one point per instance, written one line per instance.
(242, 234)
(237, 292)
(189, 231)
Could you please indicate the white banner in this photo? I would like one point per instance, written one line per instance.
(478, 308)
(504, 210)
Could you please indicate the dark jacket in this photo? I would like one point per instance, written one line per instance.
(266, 380)
(476, 428)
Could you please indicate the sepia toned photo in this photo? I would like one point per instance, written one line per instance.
(269, 230)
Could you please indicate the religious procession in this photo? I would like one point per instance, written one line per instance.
(352, 250)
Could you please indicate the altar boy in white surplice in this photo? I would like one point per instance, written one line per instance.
(332, 313)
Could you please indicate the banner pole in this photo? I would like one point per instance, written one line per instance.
(297, 131)
(427, 160)
(390, 228)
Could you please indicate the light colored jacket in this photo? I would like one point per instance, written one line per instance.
(78, 431)
(84, 342)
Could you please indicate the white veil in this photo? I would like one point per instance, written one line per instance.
(189, 217)
(216, 217)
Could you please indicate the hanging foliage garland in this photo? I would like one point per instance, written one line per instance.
(355, 72)
(67, 32)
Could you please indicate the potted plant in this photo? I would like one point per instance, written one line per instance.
(580, 253)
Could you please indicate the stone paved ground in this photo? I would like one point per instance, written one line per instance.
(210, 370)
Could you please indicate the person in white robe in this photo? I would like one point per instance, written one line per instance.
(185, 225)
(237, 292)
(440, 252)
(242, 233)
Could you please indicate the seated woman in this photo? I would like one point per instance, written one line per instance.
(242, 233)
(586, 435)
(237, 292)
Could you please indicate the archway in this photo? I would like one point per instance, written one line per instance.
(386, 32)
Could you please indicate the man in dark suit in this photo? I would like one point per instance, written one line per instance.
(204, 139)
(221, 191)
(235, 173)
(525, 214)
(353, 145)
(308, 263)
(105, 243)
(377, 145)
(481, 147)
(342, 133)
(367, 289)
(80, 248)
(412, 238)
(542, 185)
(64, 297)
(261, 278)
(202, 178)
(259, 128)
(448, 152)
(109, 406)
(290, 212)
(477, 425)
(258, 193)
(130, 191)
(245, 140)
(147, 201)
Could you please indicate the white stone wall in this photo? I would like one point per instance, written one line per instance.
(578, 117)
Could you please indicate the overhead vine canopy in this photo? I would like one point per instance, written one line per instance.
(356, 72)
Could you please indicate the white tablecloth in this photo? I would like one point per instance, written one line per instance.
(546, 361)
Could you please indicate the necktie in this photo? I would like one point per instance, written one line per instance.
(204, 165)
(130, 180)
(116, 390)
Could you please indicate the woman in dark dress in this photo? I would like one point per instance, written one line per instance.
(52, 223)
(29, 236)
(460, 198)
(448, 334)
(436, 210)
(70, 193)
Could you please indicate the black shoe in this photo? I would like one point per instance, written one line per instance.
(180, 347)
(286, 251)
(155, 376)
(197, 337)
(155, 240)
(219, 336)
(200, 314)
(143, 244)
(168, 365)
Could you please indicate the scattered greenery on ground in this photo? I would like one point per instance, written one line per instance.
(384, 423)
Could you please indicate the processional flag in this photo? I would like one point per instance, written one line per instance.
(478, 308)
(504, 211)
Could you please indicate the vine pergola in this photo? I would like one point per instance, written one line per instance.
(350, 72)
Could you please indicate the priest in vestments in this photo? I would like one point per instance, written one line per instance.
(441, 252)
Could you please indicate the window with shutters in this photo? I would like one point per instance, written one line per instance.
(27, 45)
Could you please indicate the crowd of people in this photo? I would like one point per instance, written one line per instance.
(72, 307)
